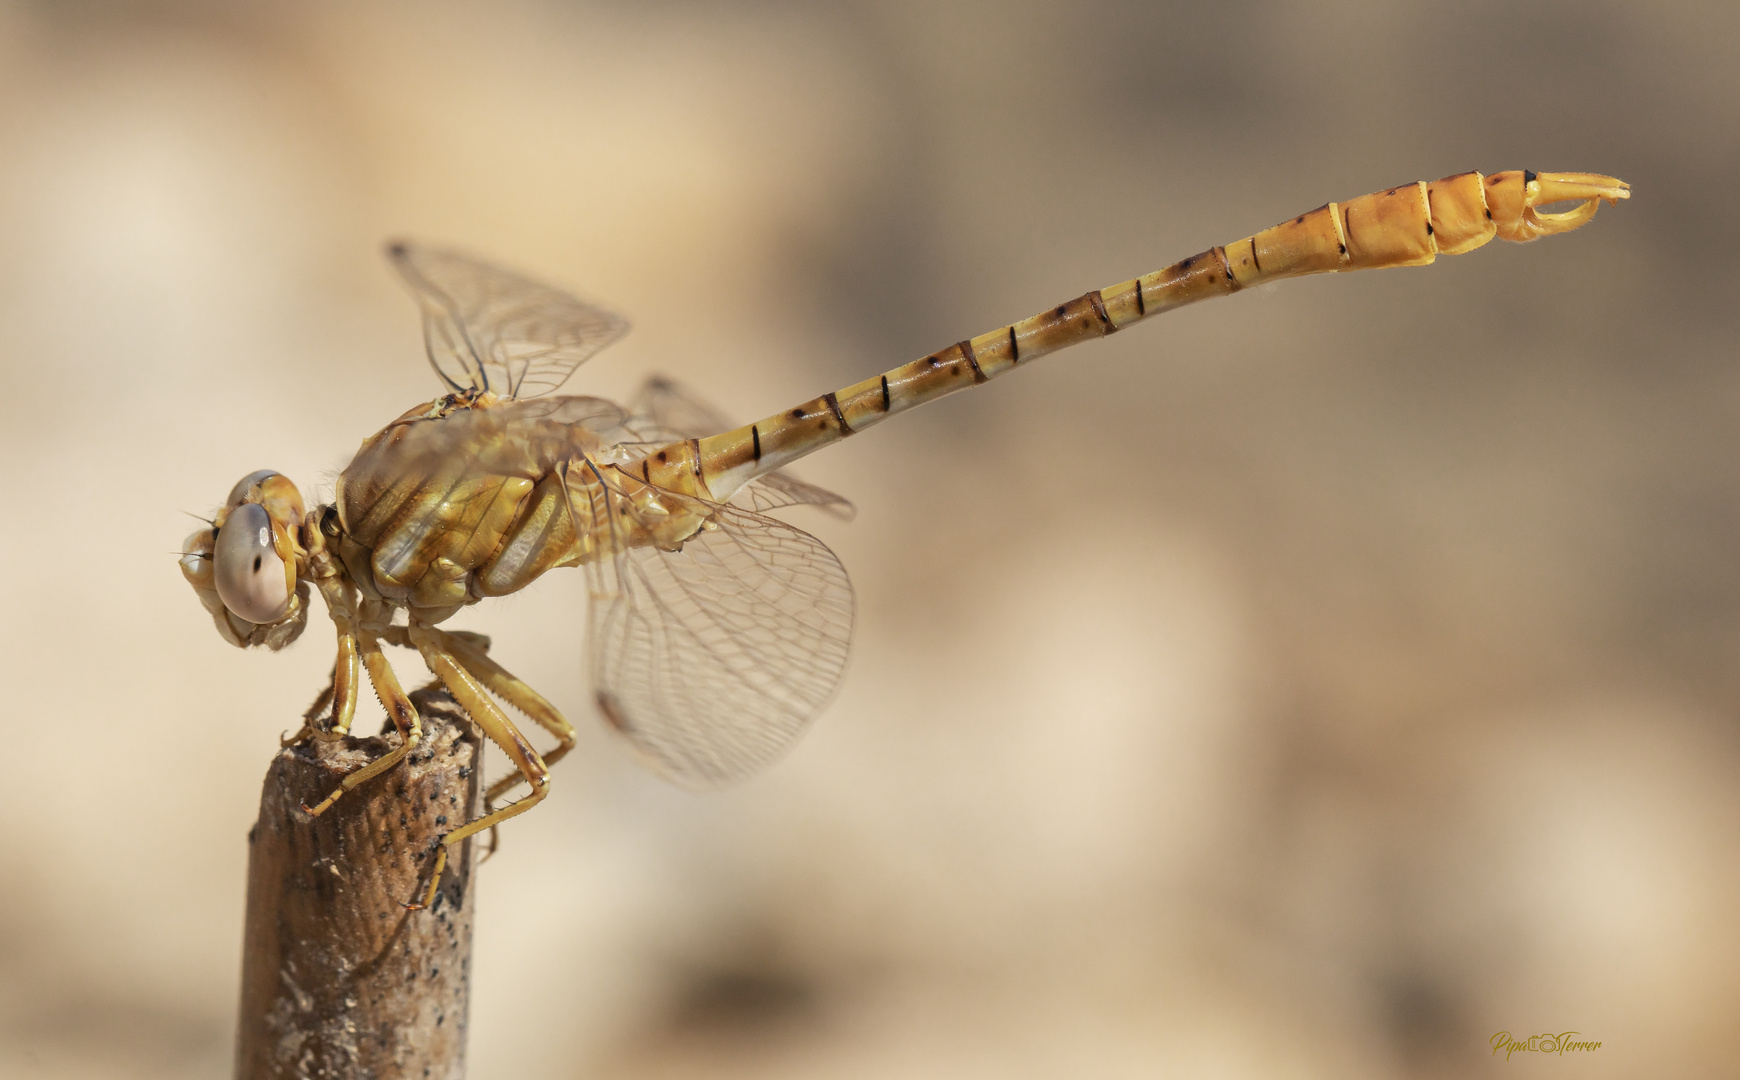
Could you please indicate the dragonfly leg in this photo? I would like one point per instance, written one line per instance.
(321, 703)
(401, 636)
(341, 690)
(469, 649)
(506, 685)
(476, 641)
(468, 690)
(398, 706)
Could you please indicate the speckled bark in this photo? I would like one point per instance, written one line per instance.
(338, 980)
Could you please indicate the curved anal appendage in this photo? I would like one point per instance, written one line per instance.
(1523, 221)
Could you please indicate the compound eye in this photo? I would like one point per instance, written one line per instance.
(240, 491)
(250, 575)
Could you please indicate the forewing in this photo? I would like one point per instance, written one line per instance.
(713, 659)
(488, 329)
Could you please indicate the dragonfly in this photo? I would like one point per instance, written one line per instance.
(716, 630)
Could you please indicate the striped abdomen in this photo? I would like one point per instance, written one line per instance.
(1403, 226)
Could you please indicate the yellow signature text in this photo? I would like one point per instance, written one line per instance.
(1548, 1043)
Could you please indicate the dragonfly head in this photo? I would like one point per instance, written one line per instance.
(244, 566)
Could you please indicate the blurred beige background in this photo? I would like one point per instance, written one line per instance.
(1311, 684)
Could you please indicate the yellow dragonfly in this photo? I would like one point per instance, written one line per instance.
(717, 631)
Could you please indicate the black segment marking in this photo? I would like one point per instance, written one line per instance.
(1014, 347)
(1528, 176)
(1428, 228)
(834, 407)
(1141, 305)
(662, 457)
(1099, 304)
(966, 348)
(1342, 248)
(695, 459)
(755, 438)
(1225, 266)
(646, 469)
(884, 393)
(1254, 260)
(1185, 265)
(1489, 215)
(256, 564)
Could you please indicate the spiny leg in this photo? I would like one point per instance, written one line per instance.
(469, 649)
(341, 604)
(506, 685)
(340, 688)
(401, 636)
(476, 641)
(470, 694)
(398, 706)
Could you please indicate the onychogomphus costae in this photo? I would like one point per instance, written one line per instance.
(716, 631)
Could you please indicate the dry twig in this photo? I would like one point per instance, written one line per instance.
(338, 979)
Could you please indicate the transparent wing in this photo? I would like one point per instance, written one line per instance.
(673, 409)
(778, 489)
(488, 329)
(665, 412)
(713, 659)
